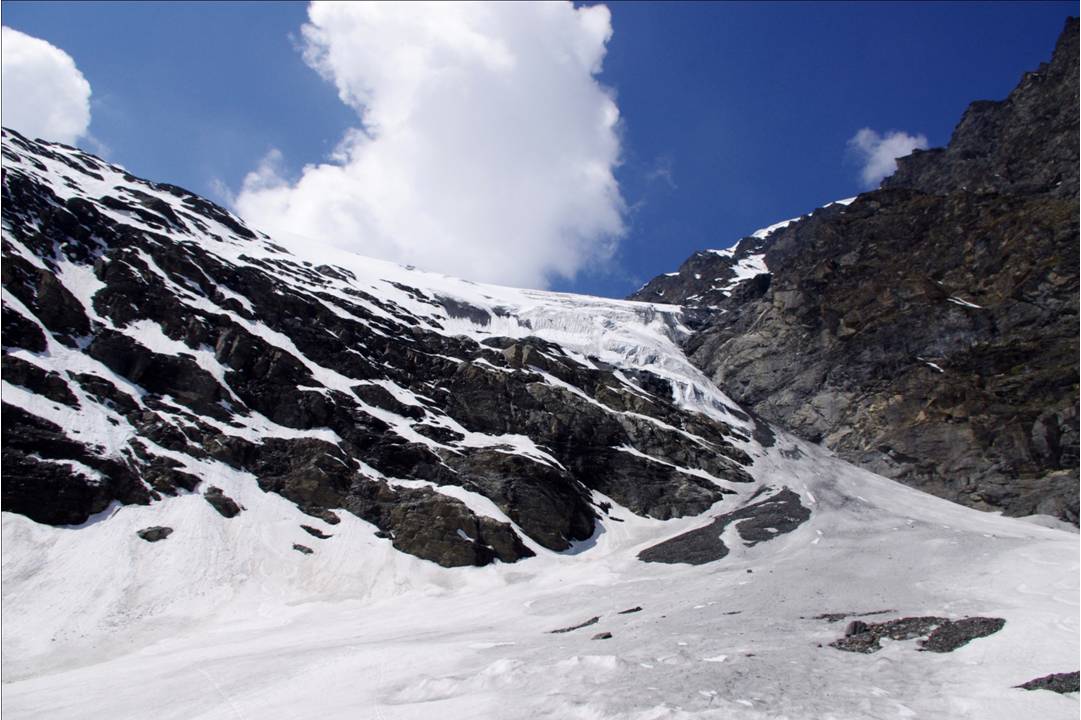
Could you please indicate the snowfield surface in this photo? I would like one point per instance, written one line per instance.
(224, 619)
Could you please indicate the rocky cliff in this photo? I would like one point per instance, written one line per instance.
(154, 346)
(927, 330)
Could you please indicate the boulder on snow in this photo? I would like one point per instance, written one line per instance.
(1056, 682)
(222, 502)
(155, 533)
(315, 532)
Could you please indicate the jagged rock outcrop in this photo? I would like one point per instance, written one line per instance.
(708, 278)
(1023, 145)
(927, 330)
(151, 342)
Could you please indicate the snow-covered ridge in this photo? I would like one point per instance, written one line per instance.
(753, 264)
(710, 276)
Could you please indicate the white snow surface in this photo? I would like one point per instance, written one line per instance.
(225, 620)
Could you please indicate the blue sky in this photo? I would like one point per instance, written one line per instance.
(733, 116)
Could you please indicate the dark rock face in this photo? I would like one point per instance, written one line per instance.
(1023, 145)
(928, 330)
(43, 382)
(58, 480)
(758, 522)
(211, 348)
(1057, 682)
(155, 533)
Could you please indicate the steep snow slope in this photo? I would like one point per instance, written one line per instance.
(224, 619)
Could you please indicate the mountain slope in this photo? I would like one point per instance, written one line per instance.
(240, 481)
(152, 342)
(330, 441)
(926, 330)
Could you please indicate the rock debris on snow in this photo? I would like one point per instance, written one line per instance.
(1056, 682)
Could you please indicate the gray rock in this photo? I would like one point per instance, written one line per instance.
(221, 502)
(949, 636)
(1017, 146)
(1057, 682)
(315, 532)
(856, 627)
(155, 533)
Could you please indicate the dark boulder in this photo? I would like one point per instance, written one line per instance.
(315, 532)
(225, 505)
(1056, 682)
(155, 533)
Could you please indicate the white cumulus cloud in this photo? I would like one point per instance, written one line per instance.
(43, 94)
(485, 146)
(878, 153)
